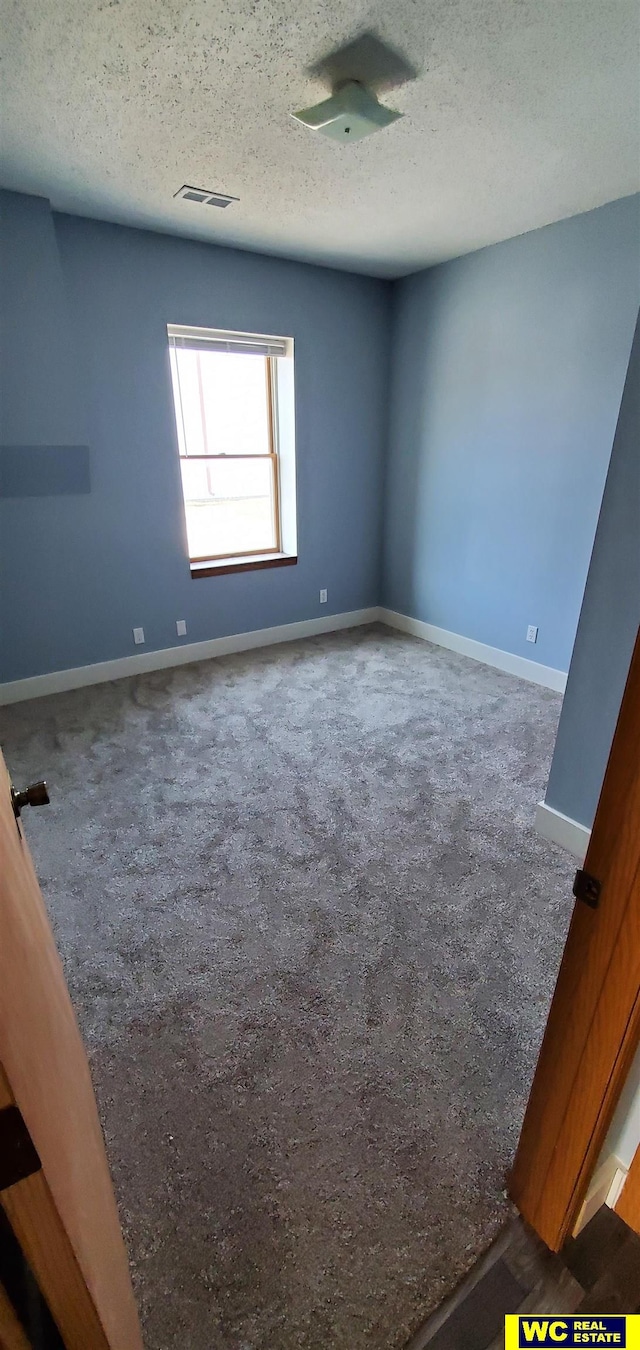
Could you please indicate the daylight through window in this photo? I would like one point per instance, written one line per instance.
(225, 392)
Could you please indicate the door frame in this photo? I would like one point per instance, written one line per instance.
(593, 1028)
(628, 1203)
(32, 1213)
(55, 1188)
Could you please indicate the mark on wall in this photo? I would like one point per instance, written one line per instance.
(44, 470)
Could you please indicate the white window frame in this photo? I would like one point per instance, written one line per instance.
(278, 353)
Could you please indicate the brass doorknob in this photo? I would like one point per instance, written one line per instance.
(35, 794)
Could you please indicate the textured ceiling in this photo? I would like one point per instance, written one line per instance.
(522, 112)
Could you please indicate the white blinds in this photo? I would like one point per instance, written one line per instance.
(214, 340)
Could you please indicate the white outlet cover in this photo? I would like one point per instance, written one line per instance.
(181, 627)
(138, 635)
(323, 597)
(532, 633)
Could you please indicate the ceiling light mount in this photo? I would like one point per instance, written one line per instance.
(349, 114)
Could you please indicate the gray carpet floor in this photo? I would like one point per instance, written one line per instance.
(311, 937)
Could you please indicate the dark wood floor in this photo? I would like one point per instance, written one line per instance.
(599, 1271)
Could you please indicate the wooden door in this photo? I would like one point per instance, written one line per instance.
(594, 1023)
(55, 1186)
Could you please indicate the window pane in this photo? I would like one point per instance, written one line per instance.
(186, 397)
(229, 506)
(221, 401)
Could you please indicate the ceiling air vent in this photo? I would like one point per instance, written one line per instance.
(205, 198)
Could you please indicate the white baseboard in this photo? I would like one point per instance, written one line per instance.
(605, 1189)
(547, 676)
(562, 830)
(57, 681)
(551, 824)
(35, 686)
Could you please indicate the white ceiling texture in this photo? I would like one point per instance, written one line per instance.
(516, 113)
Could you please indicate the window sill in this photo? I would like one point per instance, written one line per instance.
(255, 564)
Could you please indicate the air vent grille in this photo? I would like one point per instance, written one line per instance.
(204, 197)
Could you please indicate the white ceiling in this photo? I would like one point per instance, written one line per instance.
(524, 112)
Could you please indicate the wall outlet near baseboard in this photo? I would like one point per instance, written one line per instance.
(323, 597)
(181, 627)
(532, 633)
(138, 635)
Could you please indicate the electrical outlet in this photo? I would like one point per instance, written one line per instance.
(138, 635)
(323, 597)
(181, 627)
(532, 633)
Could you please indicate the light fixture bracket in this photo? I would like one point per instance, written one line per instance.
(351, 113)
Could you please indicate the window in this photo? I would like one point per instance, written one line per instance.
(227, 392)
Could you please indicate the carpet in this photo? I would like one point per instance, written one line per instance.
(311, 938)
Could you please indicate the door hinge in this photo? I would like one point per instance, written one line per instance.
(18, 1155)
(587, 888)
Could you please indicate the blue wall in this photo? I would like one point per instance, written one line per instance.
(496, 412)
(609, 621)
(42, 397)
(508, 369)
(78, 572)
